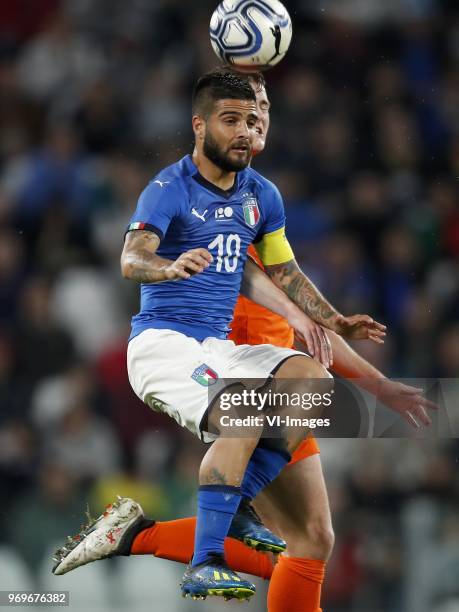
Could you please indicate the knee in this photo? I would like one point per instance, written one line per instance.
(302, 366)
(306, 368)
(315, 539)
(316, 370)
(321, 536)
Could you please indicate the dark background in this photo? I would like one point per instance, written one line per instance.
(364, 146)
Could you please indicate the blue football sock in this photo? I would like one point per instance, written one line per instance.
(217, 504)
(263, 467)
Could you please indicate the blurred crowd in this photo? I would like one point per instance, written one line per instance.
(364, 146)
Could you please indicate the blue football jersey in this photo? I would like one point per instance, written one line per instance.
(187, 212)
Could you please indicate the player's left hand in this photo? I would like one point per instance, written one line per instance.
(359, 327)
(408, 401)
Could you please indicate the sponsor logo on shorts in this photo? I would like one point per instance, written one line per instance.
(204, 375)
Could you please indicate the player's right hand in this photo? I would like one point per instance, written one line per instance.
(407, 401)
(311, 335)
(189, 263)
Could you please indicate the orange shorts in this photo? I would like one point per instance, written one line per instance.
(306, 449)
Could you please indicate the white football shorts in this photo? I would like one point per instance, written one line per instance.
(177, 375)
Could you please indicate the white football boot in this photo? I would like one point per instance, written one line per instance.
(110, 534)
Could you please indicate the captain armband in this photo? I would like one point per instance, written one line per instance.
(274, 248)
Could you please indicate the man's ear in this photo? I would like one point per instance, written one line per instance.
(199, 127)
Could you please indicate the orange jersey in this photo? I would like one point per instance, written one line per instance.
(253, 324)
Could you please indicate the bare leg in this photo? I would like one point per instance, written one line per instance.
(226, 460)
(223, 467)
(303, 375)
(296, 507)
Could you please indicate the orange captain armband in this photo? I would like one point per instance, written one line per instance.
(274, 248)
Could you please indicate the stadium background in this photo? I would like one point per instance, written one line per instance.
(364, 145)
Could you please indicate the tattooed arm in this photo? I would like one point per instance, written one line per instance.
(336, 353)
(259, 288)
(289, 277)
(139, 261)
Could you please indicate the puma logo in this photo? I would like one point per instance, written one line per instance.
(196, 214)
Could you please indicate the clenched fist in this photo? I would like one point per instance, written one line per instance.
(189, 263)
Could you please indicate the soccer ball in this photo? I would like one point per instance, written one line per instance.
(251, 35)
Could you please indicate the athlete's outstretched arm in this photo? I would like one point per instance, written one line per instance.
(280, 265)
(404, 399)
(139, 261)
(292, 280)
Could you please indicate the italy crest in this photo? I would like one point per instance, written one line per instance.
(251, 211)
(204, 375)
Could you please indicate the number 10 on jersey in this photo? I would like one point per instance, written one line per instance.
(228, 251)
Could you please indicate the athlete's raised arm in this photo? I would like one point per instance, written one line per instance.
(139, 261)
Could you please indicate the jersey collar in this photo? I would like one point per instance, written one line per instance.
(225, 193)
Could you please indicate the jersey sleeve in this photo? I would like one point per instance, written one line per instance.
(273, 217)
(158, 204)
(271, 242)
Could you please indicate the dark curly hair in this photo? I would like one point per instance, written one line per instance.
(219, 84)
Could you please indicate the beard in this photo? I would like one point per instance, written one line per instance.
(220, 157)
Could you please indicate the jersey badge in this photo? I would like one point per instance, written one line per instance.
(204, 375)
(251, 211)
